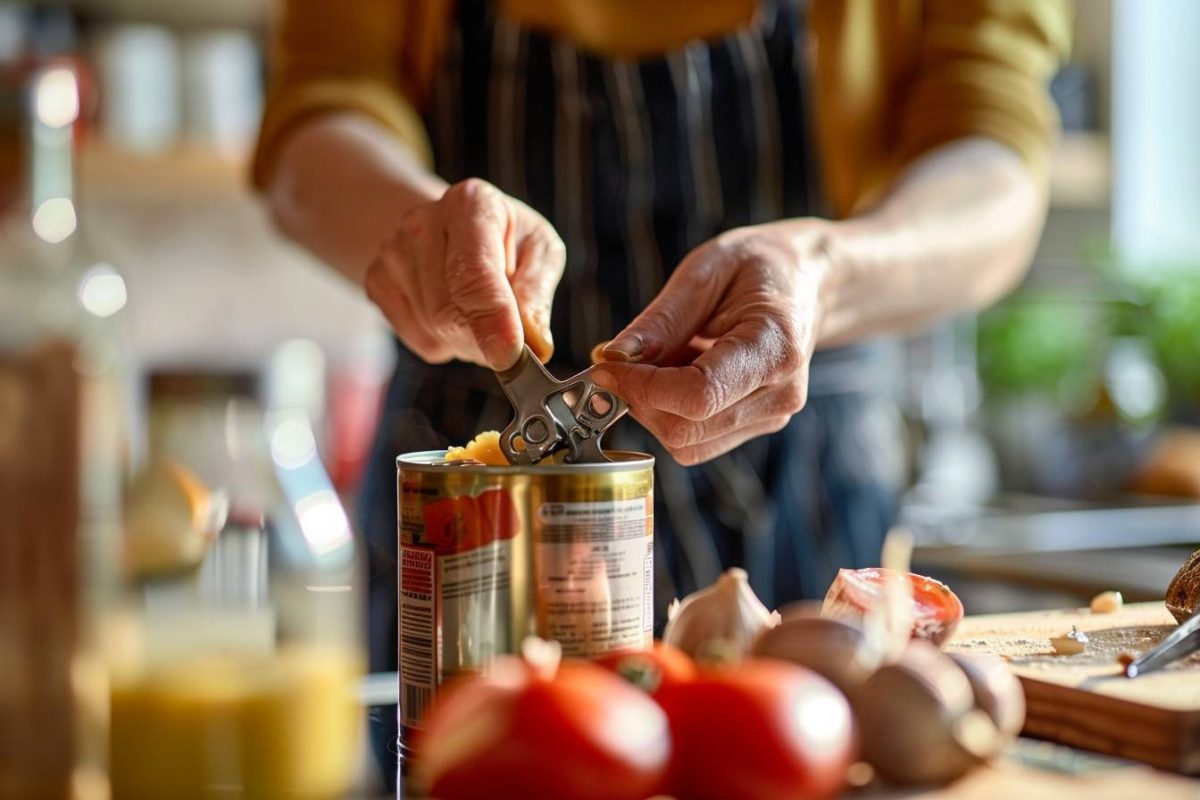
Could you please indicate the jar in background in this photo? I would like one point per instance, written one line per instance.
(235, 673)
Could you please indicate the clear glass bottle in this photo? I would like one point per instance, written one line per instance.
(241, 652)
(60, 468)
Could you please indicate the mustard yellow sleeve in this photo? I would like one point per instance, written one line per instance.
(339, 55)
(983, 70)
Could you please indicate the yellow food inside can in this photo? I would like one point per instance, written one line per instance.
(484, 448)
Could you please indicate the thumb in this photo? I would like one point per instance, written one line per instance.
(541, 258)
(663, 332)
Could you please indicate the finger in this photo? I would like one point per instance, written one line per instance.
(476, 271)
(420, 248)
(768, 402)
(538, 336)
(541, 258)
(757, 352)
(678, 312)
(426, 283)
(689, 456)
(414, 333)
(681, 357)
(388, 287)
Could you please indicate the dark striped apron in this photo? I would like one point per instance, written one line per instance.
(635, 163)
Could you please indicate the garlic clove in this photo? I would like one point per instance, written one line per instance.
(997, 691)
(718, 624)
(838, 650)
(915, 718)
(1071, 643)
(1107, 603)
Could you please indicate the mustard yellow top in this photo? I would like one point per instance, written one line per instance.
(893, 78)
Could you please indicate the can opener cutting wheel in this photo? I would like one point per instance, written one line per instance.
(553, 414)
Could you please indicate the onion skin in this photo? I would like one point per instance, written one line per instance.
(937, 609)
(908, 712)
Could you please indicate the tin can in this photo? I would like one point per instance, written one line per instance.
(490, 555)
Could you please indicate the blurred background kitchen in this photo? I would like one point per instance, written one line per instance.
(1049, 455)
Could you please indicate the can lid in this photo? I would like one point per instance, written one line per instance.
(434, 461)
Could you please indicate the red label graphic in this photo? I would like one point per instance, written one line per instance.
(458, 524)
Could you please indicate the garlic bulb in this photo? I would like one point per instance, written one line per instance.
(719, 623)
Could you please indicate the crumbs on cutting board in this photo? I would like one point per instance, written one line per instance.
(972, 643)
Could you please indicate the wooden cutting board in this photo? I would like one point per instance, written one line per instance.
(1084, 700)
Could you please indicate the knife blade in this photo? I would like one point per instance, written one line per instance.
(1182, 642)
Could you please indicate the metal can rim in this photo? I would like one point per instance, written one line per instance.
(432, 461)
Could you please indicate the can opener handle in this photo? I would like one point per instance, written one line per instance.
(553, 414)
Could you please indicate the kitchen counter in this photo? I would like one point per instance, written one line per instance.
(1030, 770)
(1012, 779)
(1085, 777)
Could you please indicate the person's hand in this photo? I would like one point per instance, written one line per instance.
(470, 276)
(721, 355)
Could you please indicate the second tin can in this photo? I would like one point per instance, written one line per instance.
(490, 555)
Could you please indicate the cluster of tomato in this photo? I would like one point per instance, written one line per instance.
(637, 724)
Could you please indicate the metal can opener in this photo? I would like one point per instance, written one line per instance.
(553, 415)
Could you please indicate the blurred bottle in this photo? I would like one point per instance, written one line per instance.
(358, 384)
(222, 89)
(139, 76)
(238, 669)
(60, 468)
(14, 32)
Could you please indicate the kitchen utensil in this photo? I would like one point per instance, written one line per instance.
(1184, 641)
(553, 415)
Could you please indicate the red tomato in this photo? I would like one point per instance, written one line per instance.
(936, 609)
(582, 734)
(760, 730)
(661, 666)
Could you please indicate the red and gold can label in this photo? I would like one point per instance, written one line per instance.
(490, 555)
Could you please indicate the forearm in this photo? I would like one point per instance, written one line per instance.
(341, 183)
(954, 234)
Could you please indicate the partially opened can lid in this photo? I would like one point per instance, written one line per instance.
(434, 461)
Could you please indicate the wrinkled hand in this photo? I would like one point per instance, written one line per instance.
(470, 276)
(721, 355)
